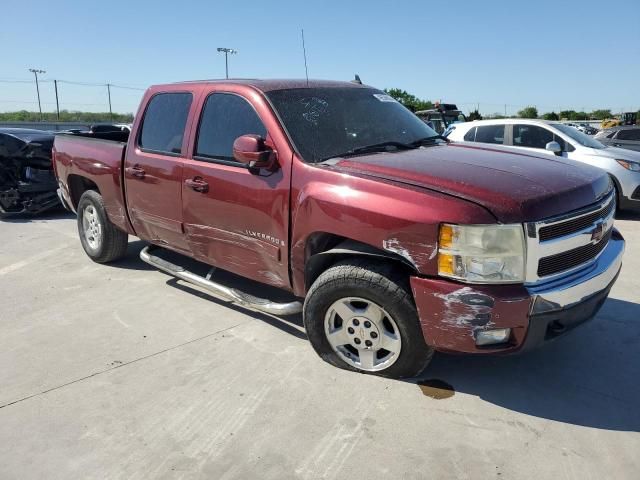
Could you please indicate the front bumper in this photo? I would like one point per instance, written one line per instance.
(451, 313)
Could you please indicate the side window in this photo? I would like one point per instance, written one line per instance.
(630, 134)
(164, 121)
(470, 136)
(490, 134)
(225, 117)
(611, 135)
(533, 136)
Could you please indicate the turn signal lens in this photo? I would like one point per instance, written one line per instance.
(445, 264)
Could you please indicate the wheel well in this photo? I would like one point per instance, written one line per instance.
(325, 249)
(77, 186)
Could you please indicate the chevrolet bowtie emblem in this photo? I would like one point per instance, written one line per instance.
(598, 232)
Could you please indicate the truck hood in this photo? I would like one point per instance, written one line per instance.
(515, 187)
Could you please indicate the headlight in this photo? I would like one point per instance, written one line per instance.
(482, 253)
(633, 166)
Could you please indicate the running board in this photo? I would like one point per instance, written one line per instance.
(236, 296)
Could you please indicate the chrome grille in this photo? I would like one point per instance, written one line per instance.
(575, 224)
(572, 258)
(562, 245)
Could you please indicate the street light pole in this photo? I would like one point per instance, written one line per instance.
(35, 72)
(227, 51)
(109, 94)
(55, 86)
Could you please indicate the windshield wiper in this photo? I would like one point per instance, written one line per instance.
(428, 140)
(376, 147)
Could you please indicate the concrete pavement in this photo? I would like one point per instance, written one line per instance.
(121, 372)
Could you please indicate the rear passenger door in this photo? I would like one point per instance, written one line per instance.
(493, 134)
(153, 169)
(239, 221)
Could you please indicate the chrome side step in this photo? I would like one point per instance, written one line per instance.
(236, 296)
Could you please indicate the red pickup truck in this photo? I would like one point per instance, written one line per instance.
(391, 241)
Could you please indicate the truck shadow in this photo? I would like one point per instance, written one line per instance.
(132, 259)
(626, 215)
(291, 324)
(588, 378)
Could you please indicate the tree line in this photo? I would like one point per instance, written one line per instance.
(414, 104)
(66, 116)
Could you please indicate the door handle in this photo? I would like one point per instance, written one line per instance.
(135, 171)
(197, 184)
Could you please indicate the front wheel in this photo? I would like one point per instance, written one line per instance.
(360, 316)
(101, 240)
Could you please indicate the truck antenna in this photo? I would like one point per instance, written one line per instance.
(304, 51)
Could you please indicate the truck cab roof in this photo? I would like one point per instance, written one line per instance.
(267, 85)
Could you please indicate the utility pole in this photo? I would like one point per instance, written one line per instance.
(109, 94)
(35, 72)
(227, 51)
(55, 86)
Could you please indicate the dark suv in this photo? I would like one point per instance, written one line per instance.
(623, 137)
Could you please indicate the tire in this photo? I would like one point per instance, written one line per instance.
(101, 240)
(378, 308)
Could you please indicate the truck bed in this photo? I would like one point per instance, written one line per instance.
(99, 160)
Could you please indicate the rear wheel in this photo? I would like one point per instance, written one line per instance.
(101, 240)
(360, 316)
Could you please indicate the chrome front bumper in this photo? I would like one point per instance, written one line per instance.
(573, 289)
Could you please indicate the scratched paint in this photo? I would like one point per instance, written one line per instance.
(459, 313)
(419, 254)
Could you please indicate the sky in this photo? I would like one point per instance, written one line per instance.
(550, 54)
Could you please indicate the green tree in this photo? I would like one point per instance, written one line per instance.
(474, 115)
(410, 101)
(528, 112)
(601, 114)
(550, 116)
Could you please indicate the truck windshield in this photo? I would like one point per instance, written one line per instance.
(325, 123)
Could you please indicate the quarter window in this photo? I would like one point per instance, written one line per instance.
(225, 117)
(164, 122)
(490, 134)
(470, 136)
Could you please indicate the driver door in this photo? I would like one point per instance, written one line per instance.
(535, 138)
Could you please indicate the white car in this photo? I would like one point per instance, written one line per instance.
(553, 138)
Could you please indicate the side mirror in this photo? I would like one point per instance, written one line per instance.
(252, 151)
(554, 147)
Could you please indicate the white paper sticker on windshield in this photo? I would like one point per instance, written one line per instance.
(383, 97)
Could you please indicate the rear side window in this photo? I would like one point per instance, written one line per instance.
(490, 134)
(630, 134)
(164, 122)
(225, 117)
